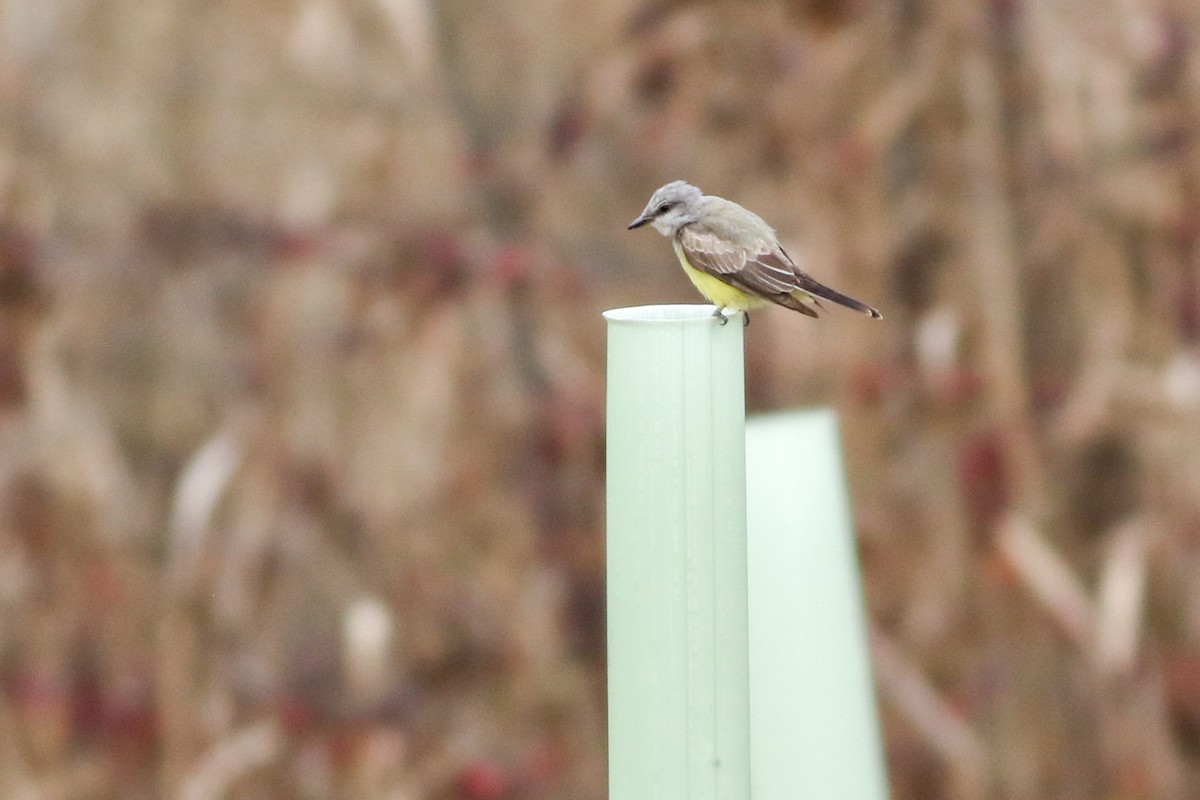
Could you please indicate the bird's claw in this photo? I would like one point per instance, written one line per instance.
(720, 315)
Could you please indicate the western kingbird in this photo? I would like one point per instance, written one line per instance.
(732, 255)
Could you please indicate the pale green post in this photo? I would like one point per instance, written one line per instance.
(813, 716)
(678, 686)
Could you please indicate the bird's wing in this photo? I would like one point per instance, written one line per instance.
(759, 268)
(758, 265)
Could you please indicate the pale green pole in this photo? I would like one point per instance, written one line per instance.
(813, 716)
(678, 686)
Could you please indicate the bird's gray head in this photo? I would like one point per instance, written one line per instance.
(671, 207)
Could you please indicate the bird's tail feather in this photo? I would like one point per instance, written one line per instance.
(816, 289)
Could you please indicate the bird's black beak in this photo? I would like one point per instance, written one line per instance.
(639, 222)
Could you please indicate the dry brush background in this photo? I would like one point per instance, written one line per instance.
(301, 376)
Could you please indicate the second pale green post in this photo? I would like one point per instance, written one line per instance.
(678, 685)
(813, 715)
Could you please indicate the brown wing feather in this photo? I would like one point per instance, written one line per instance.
(796, 304)
(766, 271)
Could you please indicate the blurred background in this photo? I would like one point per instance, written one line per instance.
(301, 376)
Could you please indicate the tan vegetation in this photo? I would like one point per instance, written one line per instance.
(301, 376)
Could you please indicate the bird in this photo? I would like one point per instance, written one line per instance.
(733, 256)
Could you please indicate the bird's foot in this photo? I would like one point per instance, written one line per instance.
(720, 315)
(745, 319)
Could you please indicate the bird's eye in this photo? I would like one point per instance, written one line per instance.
(664, 208)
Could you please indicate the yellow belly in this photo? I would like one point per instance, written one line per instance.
(716, 291)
